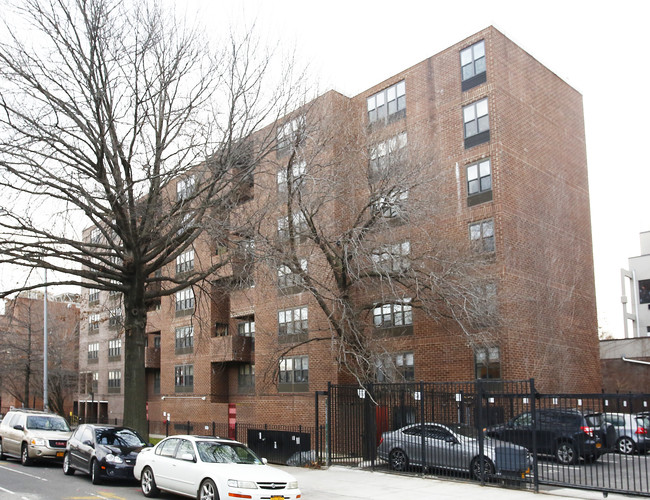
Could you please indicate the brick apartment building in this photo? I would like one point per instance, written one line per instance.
(499, 143)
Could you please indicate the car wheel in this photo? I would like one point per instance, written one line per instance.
(67, 470)
(475, 468)
(148, 483)
(24, 455)
(2, 455)
(398, 460)
(625, 445)
(208, 491)
(95, 472)
(566, 453)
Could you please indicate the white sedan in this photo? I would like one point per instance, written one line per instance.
(210, 468)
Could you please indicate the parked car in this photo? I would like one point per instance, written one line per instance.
(631, 432)
(103, 451)
(454, 447)
(566, 434)
(33, 435)
(207, 468)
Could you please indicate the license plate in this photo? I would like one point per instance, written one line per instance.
(59, 454)
(277, 498)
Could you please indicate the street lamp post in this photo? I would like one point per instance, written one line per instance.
(45, 396)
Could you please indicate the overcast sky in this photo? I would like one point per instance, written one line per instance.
(599, 48)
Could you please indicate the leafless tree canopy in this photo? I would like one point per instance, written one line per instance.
(104, 104)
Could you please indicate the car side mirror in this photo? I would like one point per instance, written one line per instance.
(88, 443)
(188, 457)
(265, 461)
(19, 427)
(451, 439)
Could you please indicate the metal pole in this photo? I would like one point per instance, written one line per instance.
(45, 396)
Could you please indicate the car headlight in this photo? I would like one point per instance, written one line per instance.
(292, 485)
(114, 459)
(37, 441)
(235, 483)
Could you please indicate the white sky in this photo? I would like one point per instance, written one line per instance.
(595, 46)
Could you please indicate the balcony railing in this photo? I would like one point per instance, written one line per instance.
(231, 348)
(152, 357)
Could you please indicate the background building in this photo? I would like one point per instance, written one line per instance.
(498, 143)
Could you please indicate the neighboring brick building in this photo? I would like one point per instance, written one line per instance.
(503, 138)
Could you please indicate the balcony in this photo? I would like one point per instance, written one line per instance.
(231, 348)
(152, 357)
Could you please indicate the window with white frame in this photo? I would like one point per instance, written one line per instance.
(184, 377)
(393, 205)
(114, 348)
(293, 321)
(246, 328)
(479, 177)
(185, 188)
(398, 367)
(93, 350)
(487, 362)
(185, 262)
(476, 123)
(393, 258)
(185, 299)
(291, 134)
(391, 315)
(293, 175)
(93, 321)
(246, 377)
(299, 228)
(114, 379)
(93, 295)
(481, 235)
(95, 381)
(386, 154)
(96, 236)
(184, 337)
(115, 317)
(472, 65)
(387, 104)
(287, 278)
(293, 375)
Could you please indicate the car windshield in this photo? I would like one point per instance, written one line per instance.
(119, 437)
(47, 423)
(464, 430)
(223, 453)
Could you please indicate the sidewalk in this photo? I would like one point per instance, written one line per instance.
(349, 483)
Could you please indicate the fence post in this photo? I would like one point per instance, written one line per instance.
(328, 425)
(423, 450)
(188, 428)
(479, 424)
(533, 412)
(214, 432)
(167, 428)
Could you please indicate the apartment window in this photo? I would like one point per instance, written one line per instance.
(93, 295)
(184, 300)
(472, 64)
(393, 258)
(292, 175)
(185, 262)
(292, 321)
(290, 134)
(481, 235)
(392, 206)
(114, 380)
(388, 104)
(488, 363)
(479, 182)
(299, 228)
(156, 382)
(185, 188)
(246, 328)
(184, 378)
(246, 378)
(96, 236)
(390, 315)
(398, 367)
(476, 123)
(93, 322)
(93, 351)
(115, 317)
(386, 154)
(294, 374)
(115, 348)
(288, 280)
(184, 338)
(95, 381)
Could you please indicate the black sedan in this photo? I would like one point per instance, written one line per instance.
(103, 451)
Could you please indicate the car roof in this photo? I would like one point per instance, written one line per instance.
(196, 437)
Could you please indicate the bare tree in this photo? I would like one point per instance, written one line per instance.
(362, 228)
(123, 119)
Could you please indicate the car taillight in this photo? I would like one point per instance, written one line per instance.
(381, 440)
(641, 430)
(589, 431)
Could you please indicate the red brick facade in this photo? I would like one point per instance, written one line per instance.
(537, 205)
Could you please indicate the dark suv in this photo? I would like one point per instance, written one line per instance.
(566, 434)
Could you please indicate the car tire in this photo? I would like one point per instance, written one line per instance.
(2, 455)
(566, 453)
(148, 483)
(67, 469)
(475, 468)
(208, 491)
(625, 445)
(398, 460)
(24, 455)
(95, 472)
